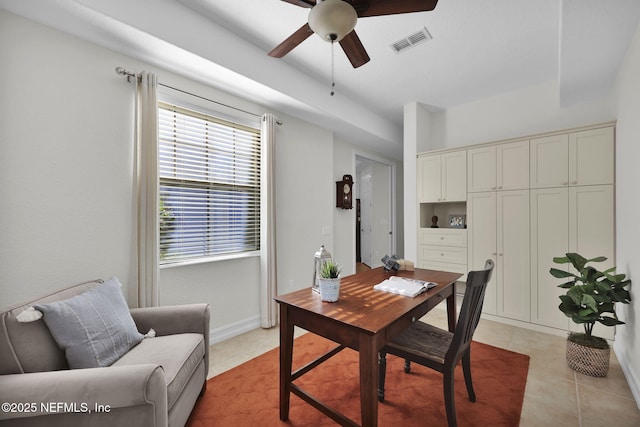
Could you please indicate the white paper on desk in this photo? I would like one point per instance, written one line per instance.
(404, 286)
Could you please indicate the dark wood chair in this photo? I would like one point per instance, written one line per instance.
(439, 349)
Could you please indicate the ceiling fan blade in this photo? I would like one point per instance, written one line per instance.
(391, 7)
(302, 3)
(291, 42)
(354, 49)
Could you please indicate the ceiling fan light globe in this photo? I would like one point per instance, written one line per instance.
(332, 19)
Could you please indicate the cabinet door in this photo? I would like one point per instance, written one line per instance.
(481, 170)
(549, 239)
(549, 161)
(591, 231)
(591, 225)
(429, 179)
(513, 166)
(481, 238)
(454, 176)
(591, 157)
(514, 275)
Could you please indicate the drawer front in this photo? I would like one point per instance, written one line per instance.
(443, 266)
(443, 254)
(442, 237)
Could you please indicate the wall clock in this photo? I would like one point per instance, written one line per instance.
(344, 193)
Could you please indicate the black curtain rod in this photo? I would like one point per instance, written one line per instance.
(129, 75)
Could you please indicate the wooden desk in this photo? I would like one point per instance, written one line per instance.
(362, 319)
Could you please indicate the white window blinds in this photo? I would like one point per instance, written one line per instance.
(209, 185)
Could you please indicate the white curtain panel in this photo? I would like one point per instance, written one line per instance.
(268, 279)
(146, 180)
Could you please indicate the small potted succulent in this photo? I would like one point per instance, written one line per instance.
(590, 298)
(329, 279)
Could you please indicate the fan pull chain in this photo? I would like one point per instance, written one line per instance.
(333, 78)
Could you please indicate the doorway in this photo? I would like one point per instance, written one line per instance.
(374, 210)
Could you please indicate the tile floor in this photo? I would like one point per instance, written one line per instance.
(555, 395)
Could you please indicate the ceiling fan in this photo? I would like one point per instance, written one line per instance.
(334, 20)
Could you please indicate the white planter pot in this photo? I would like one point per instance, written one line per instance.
(329, 289)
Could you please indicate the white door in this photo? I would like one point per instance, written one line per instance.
(365, 218)
(549, 239)
(514, 263)
(591, 232)
(481, 236)
(381, 242)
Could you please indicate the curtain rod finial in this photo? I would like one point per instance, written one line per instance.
(124, 73)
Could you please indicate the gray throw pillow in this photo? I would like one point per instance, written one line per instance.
(93, 328)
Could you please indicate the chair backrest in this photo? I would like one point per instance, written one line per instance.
(470, 311)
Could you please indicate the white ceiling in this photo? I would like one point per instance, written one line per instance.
(479, 49)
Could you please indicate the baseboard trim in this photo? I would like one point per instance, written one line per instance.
(629, 374)
(525, 325)
(233, 329)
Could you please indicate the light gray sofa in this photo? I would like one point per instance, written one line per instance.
(156, 383)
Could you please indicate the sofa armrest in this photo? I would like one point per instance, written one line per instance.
(84, 392)
(176, 319)
(173, 319)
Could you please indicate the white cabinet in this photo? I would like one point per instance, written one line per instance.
(443, 249)
(481, 170)
(591, 157)
(549, 239)
(527, 202)
(498, 228)
(481, 233)
(575, 219)
(429, 171)
(592, 232)
(578, 158)
(498, 167)
(513, 166)
(513, 284)
(591, 225)
(442, 177)
(549, 161)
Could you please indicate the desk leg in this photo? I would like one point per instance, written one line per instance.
(368, 380)
(451, 308)
(286, 357)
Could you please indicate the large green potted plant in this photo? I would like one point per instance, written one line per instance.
(591, 296)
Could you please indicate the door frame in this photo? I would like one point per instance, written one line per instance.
(392, 191)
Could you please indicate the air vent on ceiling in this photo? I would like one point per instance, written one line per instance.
(411, 40)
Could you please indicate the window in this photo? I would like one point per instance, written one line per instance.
(209, 185)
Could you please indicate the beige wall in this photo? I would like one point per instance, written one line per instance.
(627, 101)
(66, 125)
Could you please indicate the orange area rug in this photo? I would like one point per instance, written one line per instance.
(248, 395)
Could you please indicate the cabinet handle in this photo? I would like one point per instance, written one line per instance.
(441, 238)
(493, 188)
(500, 254)
(565, 183)
(494, 254)
(575, 182)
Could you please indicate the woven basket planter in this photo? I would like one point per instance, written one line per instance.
(587, 360)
